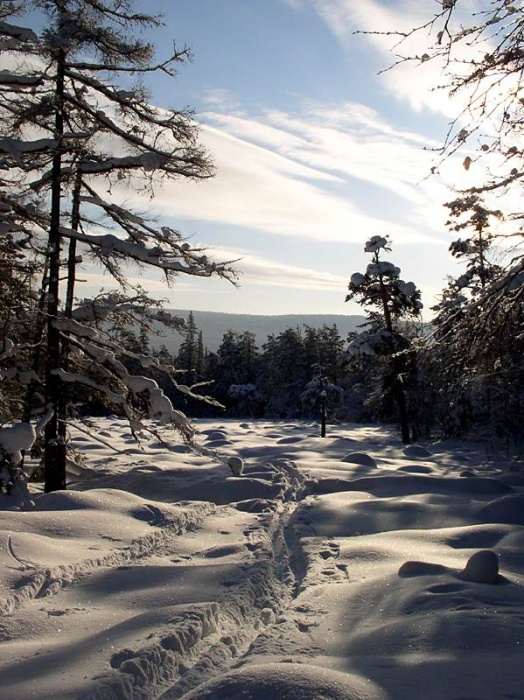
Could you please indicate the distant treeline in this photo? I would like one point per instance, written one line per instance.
(285, 378)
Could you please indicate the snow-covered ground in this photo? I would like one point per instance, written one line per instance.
(344, 568)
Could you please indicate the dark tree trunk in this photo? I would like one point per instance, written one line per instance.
(402, 412)
(54, 451)
(71, 258)
(36, 362)
(398, 391)
(68, 310)
(323, 416)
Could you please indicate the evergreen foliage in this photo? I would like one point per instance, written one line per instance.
(480, 382)
(381, 288)
(472, 373)
(71, 135)
(77, 129)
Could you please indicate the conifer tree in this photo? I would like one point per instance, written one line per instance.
(286, 371)
(478, 50)
(93, 137)
(188, 354)
(381, 288)
(475, 346)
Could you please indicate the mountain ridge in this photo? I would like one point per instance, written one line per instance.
(214, 324)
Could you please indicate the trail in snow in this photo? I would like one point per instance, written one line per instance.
(161, 575)
(254, 596)
(199, 640)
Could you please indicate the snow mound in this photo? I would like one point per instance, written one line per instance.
(112, 500)
(215, 435)
(421, 568)
(482, 567)
(509, 509)
(289, 440)
(19, 436)
(289, 681)
(236, 464)
(416, 452)
(359, 458)
(415, 469)
(215, 444)
(357, 279)
(356, 513)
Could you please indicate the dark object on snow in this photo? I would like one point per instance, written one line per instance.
(482, 567)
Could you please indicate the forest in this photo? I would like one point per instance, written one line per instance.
(294, 372)
(76, 131)
(311, 517)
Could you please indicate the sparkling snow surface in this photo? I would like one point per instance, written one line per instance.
(343, 568)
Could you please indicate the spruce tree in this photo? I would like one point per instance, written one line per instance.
(390, 299)
(476, 342)
(188, 354)
(76, 108)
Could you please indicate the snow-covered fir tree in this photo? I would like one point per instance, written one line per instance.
(71, 134)
(478, 53)
(479, 383)
(391, 300)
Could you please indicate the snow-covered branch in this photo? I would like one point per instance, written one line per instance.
(167, 259)
(22, 34)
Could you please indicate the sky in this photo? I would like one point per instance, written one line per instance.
(315, 151)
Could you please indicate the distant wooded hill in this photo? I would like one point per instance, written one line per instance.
(214, 324)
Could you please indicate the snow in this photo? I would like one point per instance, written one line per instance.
(357, 279)
(147, 161)
(382, 268)
(368, 342)
(18, 81)
(124, 213)
(157, 256)
(17, 147)
(67, 325)
(516, 282)
(347, 567)
(19, 33)
(10, 349)
(375, 244)
(293, 681)
(15, 438)
(236, 464)
(407, 288)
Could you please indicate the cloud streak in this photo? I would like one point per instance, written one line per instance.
(317, 173)
(259, 269)
(412, 82)
(262, 278)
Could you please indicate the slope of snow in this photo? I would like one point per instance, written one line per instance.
(346, 568)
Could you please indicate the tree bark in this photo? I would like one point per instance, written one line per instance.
(63, 399)
(54, 450)
(398, 391)
(400, 398)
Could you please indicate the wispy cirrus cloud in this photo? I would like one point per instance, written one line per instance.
(257, 187)
(260, 275)
(351, 141)
(386, 28)
(322, 174)
(264, 270)
(319, 172)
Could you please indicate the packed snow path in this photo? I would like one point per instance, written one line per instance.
(348, 567)
(250, 578)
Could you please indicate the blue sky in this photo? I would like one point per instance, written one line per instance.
(315, 151)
